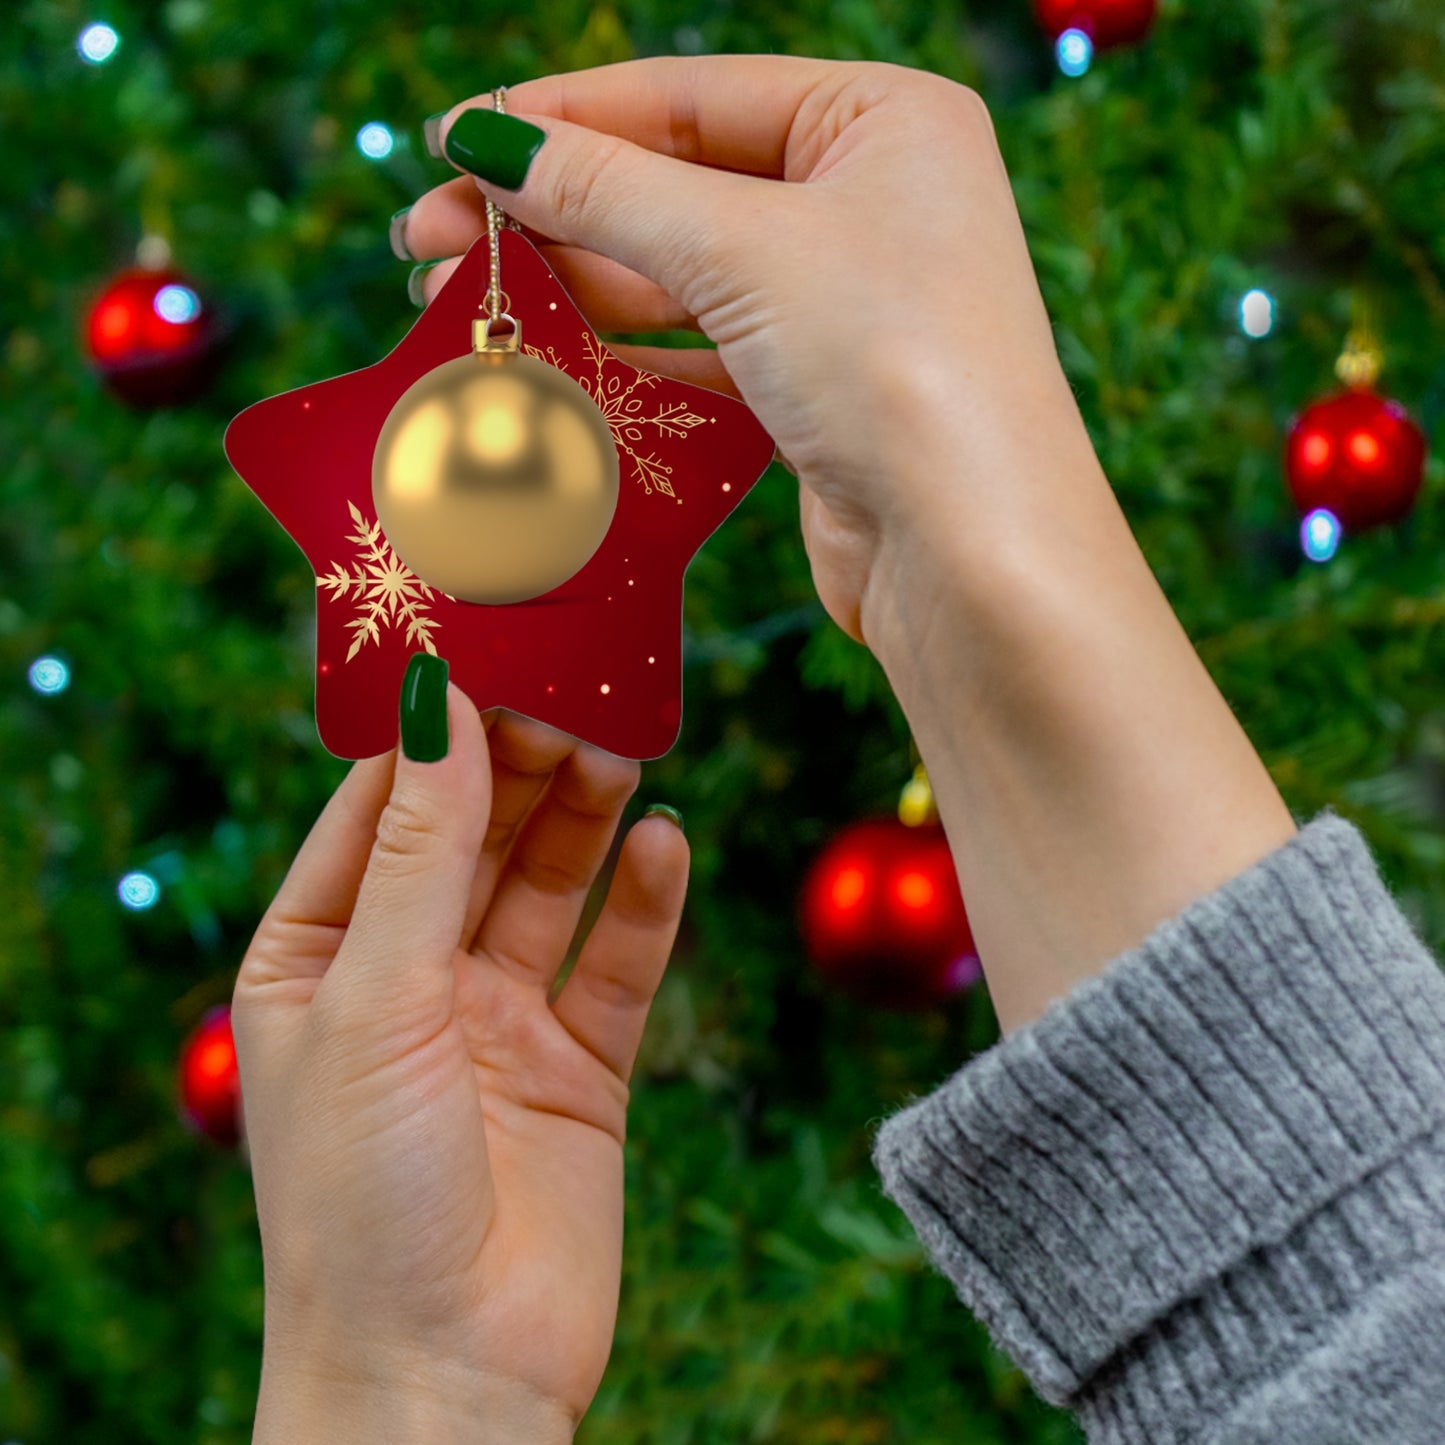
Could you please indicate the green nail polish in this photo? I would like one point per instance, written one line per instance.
(424, 737)
(498, 148)
(396, 234)
(413, 282)
(431, 133)
(666, 812)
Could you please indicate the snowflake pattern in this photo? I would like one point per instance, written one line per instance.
(387, 591)
(624, 412)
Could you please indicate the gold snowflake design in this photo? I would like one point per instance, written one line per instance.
(388, 592)
(624, 411)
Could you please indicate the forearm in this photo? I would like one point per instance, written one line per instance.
(1091, 778)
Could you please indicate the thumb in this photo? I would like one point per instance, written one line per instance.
(666, 219)
(410, 907)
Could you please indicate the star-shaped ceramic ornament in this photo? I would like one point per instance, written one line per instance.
(599, 656)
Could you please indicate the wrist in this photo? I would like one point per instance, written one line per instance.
(980, 516)
(396, 1401)
(1091, 778)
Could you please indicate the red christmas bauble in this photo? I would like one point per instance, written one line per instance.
(1358, 455)
(210, 1082)
(152, 338)
(1106, 22)
(883, 918)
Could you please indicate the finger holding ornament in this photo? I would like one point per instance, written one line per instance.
(542, 888)
(606, 192)
(445, 221)
(427, 278)
(605, 1001)
(454, 216)
(526, 755)
(699, 365)
(610, 297)
(747, 113)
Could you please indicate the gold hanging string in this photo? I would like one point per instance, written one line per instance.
(154, 250)
(496, 220)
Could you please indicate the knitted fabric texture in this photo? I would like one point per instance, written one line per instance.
(1202, 1199)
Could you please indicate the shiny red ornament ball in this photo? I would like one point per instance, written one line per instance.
(152, 337)
(209, 1080)
(1359, 456)
(883, 919)
(1106, 22)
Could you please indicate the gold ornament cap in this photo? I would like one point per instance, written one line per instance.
(1360, 362)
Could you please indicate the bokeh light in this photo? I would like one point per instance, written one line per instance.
(1320, 535)
(177, 304)
(1364, 448)
(849, 886)
(138, 891)
(375, 141)
(1256, 313)
(97, 43)
(1075, 52)
(49, 675)
(914, 889)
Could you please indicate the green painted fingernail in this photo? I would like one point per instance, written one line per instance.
(666, 812)
(497, 147)
(424, 736)
(396, 234)
(413, 282)
(431, 133)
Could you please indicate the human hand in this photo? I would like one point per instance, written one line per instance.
(879, 313)
(438, 1150)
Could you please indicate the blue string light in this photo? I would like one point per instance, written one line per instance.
(49, 675)
(138, 891)
(1256, 313)
(1075, 52)
(375, 141)
(177, 304)
(97, 44)
(1320, 535)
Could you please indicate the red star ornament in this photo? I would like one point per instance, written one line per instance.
(599, 656)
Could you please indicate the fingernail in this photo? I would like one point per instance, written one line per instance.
(413, 282)
(431, 133)
(396, 233)
(497, 147)
(666, 812)
(424, 708)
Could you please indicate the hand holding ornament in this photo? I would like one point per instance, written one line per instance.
(845, 233)
(436, 1144)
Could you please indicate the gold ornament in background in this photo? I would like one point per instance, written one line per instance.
(915, 804)
(495, 475)
(1360, 362)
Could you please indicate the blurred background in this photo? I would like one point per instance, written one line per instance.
(1237, 211)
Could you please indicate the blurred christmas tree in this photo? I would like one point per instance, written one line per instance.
(156, 645)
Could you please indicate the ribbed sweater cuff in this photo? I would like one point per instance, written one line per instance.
(1179, 1156)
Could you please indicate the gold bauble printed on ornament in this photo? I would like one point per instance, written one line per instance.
(495, 475)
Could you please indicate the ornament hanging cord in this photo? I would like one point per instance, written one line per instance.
(496, 220)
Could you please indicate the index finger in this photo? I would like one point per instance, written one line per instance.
(300, 929)
(735, 112)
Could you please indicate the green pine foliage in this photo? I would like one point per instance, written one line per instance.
(771, 1292)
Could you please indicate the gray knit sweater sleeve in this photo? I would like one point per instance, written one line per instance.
(1201, 1200)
